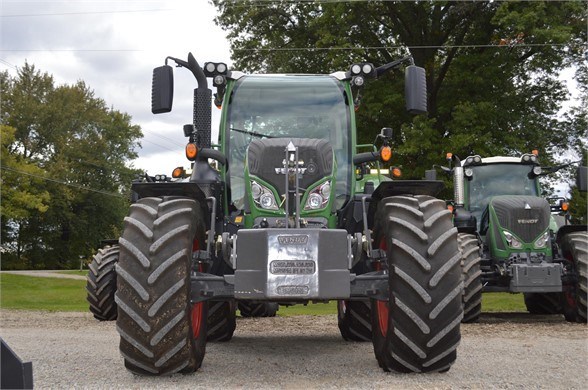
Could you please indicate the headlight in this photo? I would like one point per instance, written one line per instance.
(355, 69)
(318, 197)
(512, 241)
(210, 67)
(537, 171)
(326, 190)
(367, 69)
(314, 201)
(263, 196)
(267, 201)
(543, 240)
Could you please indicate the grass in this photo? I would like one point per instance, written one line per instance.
(35, 293)
(73, 272)
(53, 294)
(503, 302)
(318, 309)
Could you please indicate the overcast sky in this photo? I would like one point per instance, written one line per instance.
(113, 47)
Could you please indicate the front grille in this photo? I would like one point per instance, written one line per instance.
(525, 216)
(264, 156)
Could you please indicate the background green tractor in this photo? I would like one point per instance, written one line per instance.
(512, 239)
(284, 209)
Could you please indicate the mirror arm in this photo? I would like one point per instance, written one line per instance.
(380, 70)
(192, 66)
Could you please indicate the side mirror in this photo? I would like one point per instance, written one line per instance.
(162, 89)
(415, 89)
(582, 178)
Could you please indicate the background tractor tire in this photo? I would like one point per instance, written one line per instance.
(472, 276)
(161, 331)
(257, 309)
(418, 328)
(354, 320)
(543, 303)
(221, 320)
(101, 283)
(575, 248)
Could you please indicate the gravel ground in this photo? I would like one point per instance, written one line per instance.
(72, 350)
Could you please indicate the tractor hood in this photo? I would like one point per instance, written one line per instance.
(524, 216)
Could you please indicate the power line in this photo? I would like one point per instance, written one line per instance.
(62, 182)
(70, 50)
(8, 64)
(84, 13)
(505, 46)
(269, 3)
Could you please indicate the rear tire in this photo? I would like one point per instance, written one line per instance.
(161, 331)
(469, 248)
(418, 329)
(543, 303)
(575, 249)
(354, 320)
(258, 309)
(221, 320)
(101, 283)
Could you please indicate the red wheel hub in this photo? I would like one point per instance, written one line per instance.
(197, 310)
(382, 306)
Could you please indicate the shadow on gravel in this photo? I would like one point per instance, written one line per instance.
(519, 317)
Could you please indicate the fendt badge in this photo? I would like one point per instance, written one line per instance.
(297, 239)
(527, 221)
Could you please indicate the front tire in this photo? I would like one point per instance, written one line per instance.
(472, 276)
(418, 329)
(575, 249)
(161, 331)
(543, 303)
(101, 283)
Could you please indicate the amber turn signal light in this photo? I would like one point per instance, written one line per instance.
(449, 156)
(178, 172)
(386, 153)
(565, 206)
(535, 152)
(396, 172)
(191, 151)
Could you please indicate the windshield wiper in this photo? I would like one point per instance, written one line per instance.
(253, 133)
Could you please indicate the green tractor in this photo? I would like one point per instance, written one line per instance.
(514, 240)
(285, 209)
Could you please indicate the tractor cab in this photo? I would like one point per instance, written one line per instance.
(497, 176)
(265, 113)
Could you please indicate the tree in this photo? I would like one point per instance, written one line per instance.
(76, 150)
(491, 67)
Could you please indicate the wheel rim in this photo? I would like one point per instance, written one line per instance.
(381, 306)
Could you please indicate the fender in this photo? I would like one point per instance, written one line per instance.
(186, 189)
(566, 229)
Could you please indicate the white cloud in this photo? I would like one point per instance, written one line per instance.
(113, 51)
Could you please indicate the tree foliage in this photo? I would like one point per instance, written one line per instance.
(492, 67)
(64, 170)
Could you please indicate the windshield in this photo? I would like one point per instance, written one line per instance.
(498, 179)
(287, 106)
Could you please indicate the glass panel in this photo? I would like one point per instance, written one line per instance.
(498, 179)
(288, 107)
